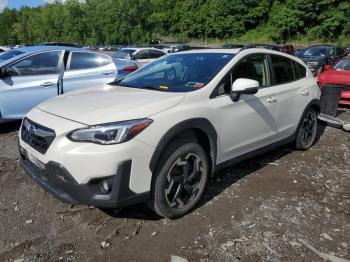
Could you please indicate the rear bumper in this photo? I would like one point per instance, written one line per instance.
(56, 179)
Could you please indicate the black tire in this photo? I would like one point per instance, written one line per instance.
(307, 130)
(172, 186)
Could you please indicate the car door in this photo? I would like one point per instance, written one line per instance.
(142, 57)
(88, 69)
(29, 82)
(294, 92)
(249, 123)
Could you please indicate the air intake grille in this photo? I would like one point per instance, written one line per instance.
(37, 136)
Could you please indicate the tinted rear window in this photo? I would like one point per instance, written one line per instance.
(299, 70)
(283, 69)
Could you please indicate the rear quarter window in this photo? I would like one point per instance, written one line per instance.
(299, 70)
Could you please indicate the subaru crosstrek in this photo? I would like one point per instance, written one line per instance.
(159, 134)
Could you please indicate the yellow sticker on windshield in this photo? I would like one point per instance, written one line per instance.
(164, 87)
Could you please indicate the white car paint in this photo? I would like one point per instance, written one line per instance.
(251, 123)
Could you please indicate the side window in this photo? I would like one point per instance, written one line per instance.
(154, 54)
(254, 67)
(225, 86)
(283, 69)
(40, 64)
(81, 60)
(340, 52)
(143, 54)
(299, 70)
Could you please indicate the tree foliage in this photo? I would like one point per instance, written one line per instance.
(141, 21)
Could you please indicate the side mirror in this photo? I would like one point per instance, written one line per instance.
(133, 57)
(243, 86)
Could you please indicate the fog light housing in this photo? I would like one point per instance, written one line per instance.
(105, 186)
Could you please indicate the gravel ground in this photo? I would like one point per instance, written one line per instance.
(283, 206)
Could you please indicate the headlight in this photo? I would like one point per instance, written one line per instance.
(110, 134)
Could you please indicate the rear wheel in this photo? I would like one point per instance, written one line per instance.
(307, 130)
(180, 180)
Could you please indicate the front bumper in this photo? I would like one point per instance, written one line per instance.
(56, 179)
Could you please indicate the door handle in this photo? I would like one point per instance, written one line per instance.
(48, 84)
(272, 100)
(305, 93)
(108, 73)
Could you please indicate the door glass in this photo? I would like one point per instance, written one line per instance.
(154, 54)
(81, 60)
(299, 70)
(253, 67)
(283, 69)
(340, 52)
(40, 64)
(143, 54)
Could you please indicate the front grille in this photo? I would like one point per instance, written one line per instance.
(37, 136)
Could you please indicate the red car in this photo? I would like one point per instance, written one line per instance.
(339, 73)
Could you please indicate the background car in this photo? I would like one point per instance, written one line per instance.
(141, 56)
(317, 56)
(32, 74)
(339, 73)
(132, 58)
(3, 49)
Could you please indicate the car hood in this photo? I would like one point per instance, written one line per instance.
(335, 77)
(109, 103)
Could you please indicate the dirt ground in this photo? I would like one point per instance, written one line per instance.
(283, 206)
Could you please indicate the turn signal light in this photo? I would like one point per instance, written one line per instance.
(131, 68)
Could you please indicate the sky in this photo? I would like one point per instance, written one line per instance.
(18, 3)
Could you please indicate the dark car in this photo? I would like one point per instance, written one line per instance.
(317, 56)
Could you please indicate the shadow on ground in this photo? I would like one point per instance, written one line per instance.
(10, 127)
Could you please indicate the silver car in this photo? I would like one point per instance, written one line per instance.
(31, 75)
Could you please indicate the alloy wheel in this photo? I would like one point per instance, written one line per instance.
(308, 129)
(184, 181)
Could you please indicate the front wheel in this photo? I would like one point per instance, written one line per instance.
(180, 180)
(307, 130)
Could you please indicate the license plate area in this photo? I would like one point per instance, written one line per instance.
(32, 159)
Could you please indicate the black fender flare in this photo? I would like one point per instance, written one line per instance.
(313, 103)
(201, 124)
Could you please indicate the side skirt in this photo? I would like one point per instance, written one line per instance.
(256, 152)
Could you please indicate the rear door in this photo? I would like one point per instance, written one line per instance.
(29, 82)
(87, 69)
(294, 92)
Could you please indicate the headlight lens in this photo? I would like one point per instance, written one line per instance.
(110, 134)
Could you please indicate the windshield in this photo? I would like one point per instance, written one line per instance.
(179, 72)
(124, 53)
(342, 65)
(315, 51)
(10, 54)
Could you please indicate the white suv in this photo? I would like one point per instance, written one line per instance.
(159, 134)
